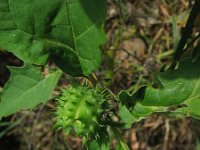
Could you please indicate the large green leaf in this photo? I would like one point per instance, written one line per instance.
(175, 87)
(25, 89)
(69, 31)
(180, 86)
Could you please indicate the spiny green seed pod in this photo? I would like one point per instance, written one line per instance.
(79, 111)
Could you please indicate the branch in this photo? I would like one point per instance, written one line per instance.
(188, 30)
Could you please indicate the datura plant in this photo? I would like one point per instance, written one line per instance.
(70, 34)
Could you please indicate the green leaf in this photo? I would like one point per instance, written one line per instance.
(137, 113)
(68, 31)
(25, 89)
(98, 145)
(176, 86)
(126, 116)
(191, 108)
(180, 86)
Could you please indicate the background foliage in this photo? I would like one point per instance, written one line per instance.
(37, 37)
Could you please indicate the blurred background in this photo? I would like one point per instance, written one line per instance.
(141, 38)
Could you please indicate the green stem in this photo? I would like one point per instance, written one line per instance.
(120, 139)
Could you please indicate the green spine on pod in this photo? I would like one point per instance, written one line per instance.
(79, 111)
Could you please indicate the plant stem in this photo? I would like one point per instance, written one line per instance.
(187, 31)
(120, 139)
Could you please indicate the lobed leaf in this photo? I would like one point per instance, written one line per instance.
(25, 89)
(180, 86)
(68, 31)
